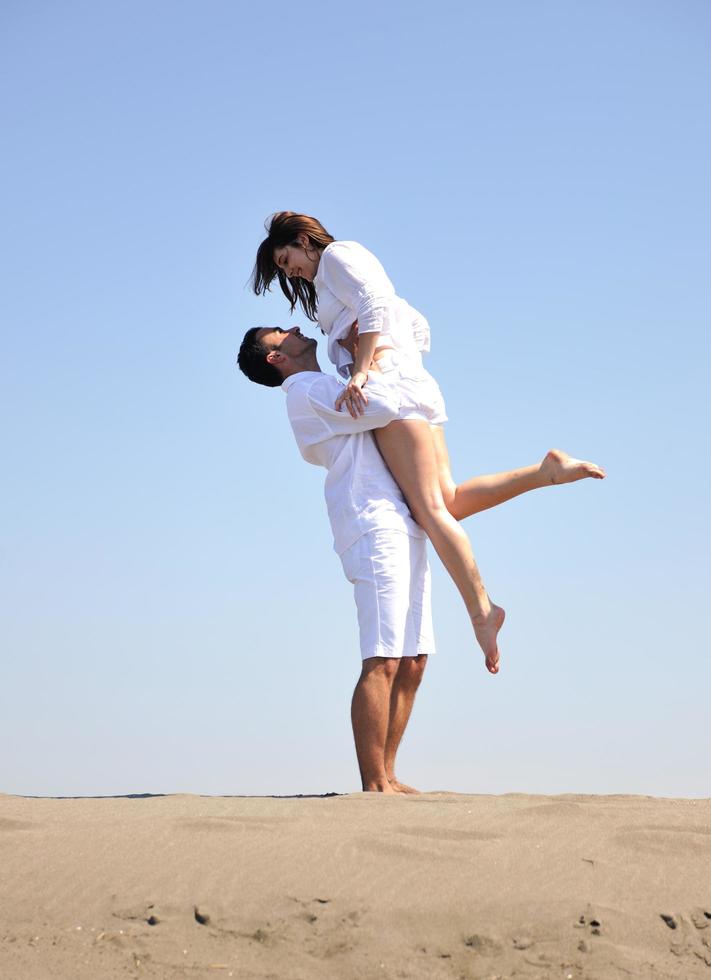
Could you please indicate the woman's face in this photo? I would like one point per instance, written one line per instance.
(298, 259)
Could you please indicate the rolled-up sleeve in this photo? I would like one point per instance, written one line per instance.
(359, 281)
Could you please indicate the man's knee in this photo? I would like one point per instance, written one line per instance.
(411, 669)
(382, 666)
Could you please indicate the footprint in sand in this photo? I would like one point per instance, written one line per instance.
(688, 942)
(138, 913)
(594, 924)
(201, 917)
(701, 918)
(483, 945)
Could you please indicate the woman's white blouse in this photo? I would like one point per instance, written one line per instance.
(351, 284)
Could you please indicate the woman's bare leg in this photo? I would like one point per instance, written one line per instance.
(409, 451)
(481, 492)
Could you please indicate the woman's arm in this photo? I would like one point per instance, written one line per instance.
(365, 349)
(353, 395)
(356, 277)
(359, 281)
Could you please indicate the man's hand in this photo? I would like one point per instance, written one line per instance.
(353, 396)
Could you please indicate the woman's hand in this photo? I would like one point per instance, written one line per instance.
(353, 396)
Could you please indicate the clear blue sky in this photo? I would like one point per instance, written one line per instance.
(534, 178)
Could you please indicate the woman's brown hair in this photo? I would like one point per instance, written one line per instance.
(283, 229)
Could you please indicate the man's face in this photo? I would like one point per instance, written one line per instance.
(298, 260)
(291, 342)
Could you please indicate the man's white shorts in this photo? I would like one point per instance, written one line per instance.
(391, 583)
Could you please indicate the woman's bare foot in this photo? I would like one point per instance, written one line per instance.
(559, 467)
(402, 787)
(486, 628)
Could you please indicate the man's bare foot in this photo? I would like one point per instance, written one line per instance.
(401, 787)
(559, 467)
(380, 786)
(486, 628)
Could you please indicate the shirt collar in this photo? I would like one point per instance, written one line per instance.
(317, 277)
(299, 376)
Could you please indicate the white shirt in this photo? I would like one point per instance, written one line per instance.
(351, 284)
(361, 494)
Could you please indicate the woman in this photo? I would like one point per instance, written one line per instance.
(339, 283)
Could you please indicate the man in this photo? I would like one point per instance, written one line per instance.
(382, 549)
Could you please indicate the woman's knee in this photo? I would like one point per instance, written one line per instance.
(449, 493)
(431, 512)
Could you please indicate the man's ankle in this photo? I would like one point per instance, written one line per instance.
(376, 785)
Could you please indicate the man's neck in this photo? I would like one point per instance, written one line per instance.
(310, 365)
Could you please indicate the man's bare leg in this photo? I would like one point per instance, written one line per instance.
(370, 714)
(483, 492)
(402, 698)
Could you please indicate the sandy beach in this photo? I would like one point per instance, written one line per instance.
(358, 886)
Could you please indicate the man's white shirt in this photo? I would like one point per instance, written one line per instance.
(361, 495)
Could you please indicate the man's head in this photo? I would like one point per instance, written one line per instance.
(267, 355)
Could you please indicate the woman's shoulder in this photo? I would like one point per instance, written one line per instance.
(340, 247)
(351, 254)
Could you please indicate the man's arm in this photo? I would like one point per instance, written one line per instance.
(382, 408)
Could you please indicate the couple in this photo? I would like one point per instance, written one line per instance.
(390, 412)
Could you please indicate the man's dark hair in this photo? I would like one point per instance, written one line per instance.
(252, 360)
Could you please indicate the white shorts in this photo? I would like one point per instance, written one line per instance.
(391, 584)
(420, 397)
